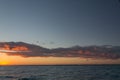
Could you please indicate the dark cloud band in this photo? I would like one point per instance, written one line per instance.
(31, 50)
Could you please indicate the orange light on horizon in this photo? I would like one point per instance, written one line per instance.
(18, 60)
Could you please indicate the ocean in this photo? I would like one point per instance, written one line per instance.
(73, 72)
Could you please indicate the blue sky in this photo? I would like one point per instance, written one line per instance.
(60, 23)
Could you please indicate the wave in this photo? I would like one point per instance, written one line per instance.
(2, 77)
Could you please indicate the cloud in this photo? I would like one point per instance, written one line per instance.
(23, 49)
(32, 50)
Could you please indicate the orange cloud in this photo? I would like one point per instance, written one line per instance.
(15, 48)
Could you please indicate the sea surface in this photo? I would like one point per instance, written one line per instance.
(73, 72)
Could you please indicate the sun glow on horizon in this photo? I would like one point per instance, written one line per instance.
(3, 59)
(4, 63)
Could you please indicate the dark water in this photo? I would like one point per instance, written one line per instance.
(103, 72)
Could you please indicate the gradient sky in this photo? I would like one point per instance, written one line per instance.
(60, 23)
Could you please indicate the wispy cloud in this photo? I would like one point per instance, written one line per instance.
(31, 50)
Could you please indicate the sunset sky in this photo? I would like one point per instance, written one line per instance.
(56, 24)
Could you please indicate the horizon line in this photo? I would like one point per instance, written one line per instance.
(60, 65)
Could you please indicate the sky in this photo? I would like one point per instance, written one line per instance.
(59, 23)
